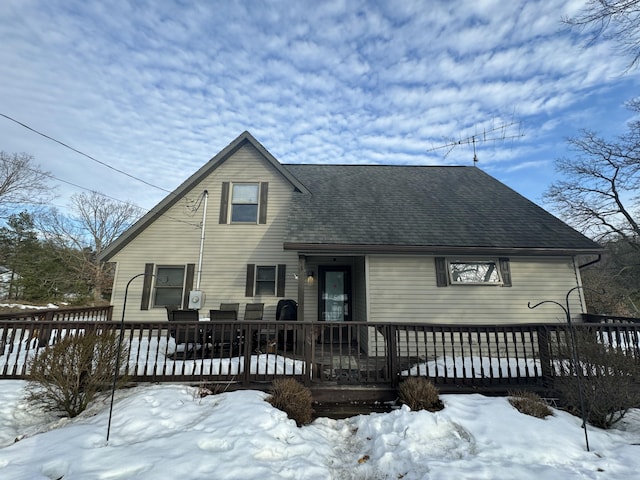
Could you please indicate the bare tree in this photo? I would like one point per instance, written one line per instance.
(21, 182)
(599, 193)
(613, 19)
(96, 221)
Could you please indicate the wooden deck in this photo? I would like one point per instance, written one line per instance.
(335, 359)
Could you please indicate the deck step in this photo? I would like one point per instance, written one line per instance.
(342, 410)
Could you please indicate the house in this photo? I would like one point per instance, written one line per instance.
(7, 283)
(375, 243)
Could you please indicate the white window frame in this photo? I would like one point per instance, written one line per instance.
(475, 261)
(232, 203)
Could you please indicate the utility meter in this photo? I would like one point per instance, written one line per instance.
(196, 299)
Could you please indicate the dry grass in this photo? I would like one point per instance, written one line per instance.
(293, 398)
(418, 393)
(529, 403)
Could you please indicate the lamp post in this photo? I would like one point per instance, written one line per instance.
(574, 355)
(119, 349)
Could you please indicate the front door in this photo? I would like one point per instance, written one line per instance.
(335, 293)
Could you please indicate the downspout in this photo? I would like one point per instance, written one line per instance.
(581, 291)
(592, 262)
(204, 219)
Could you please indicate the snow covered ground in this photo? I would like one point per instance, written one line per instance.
(169, 432)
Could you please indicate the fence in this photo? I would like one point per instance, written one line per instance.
(354, 353)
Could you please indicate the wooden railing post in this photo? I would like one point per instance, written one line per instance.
(392, 353)
(309, 351)
(544, 351)
(247, 345)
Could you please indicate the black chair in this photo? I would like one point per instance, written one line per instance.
(223, 315)
(264, 338)
(222, 336)
(231, 306)
(170, 310)
(254, 311)
(188, 334)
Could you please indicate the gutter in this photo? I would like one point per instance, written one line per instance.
(592, 262)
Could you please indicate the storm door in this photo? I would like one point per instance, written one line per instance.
(335, 293)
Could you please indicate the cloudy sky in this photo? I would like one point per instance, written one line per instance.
(156, 88)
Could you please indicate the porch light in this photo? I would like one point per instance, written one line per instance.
(310, 277)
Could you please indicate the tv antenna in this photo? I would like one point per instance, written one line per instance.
(495, 134)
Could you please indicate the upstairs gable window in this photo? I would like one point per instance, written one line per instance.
(244, 203)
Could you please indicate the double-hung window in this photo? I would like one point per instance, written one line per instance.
(265, 280)
(169, 286)
(244, 203)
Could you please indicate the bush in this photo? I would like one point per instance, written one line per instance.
(608, 378)
(418, 393)
(67, 376)
(293, 398)
(529, 403)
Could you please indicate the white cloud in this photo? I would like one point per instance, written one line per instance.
(157, 88)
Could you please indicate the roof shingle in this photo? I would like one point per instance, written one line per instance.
(407, 206)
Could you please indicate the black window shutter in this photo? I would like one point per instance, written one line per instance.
(251, 272)
(224, 202)
(282, 278)
(442, 279)
(146, 286)
(264, 193)
(505, 271)
(188, 284)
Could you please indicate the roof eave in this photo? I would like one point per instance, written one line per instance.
(437, 249)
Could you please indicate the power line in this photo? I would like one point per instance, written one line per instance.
(82, 153)
(108, 196)
(101, 163)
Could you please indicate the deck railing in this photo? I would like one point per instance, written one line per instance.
(96, 314)
(594, 318)
(355, 353)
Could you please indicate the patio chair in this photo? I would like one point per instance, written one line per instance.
(254, 311)
(231, 306)
(189, 335)
(224, 337)
(170, 309)
(264, 338)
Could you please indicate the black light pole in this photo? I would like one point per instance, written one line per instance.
(117, 369)
(574, 356)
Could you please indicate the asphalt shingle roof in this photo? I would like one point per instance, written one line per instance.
(460, 207)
